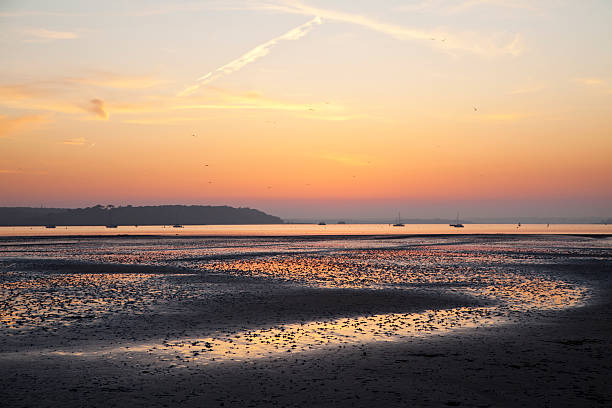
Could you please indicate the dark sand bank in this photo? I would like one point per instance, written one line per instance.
(246, 304)
(105, 334)
(561, 362)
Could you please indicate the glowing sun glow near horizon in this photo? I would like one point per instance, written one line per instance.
(310, 108)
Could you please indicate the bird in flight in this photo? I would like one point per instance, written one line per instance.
(475, 109)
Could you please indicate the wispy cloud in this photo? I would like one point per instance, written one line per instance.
(595, 83)
(77, 141)
(252, 55)
(44, 35)
(162, 120)
(591, 81)
(11, 124)
(512, 4)
(255, 101)
(101, 79)
(113, 80)
(465, 41)
(63, 96)
(66, 94)
(268, 105)
(96, 106)
(457, 6)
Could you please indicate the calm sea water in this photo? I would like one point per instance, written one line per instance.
(311, 229)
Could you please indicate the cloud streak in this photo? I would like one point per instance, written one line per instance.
(251, 56)
(96, 106)
(468, 41)
(512, 4)
(42, 34)
(591, 81)
(255, 101)
(112, 80)
(9, 125)
(77, 141)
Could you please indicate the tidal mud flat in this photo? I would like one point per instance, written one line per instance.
(318, 321)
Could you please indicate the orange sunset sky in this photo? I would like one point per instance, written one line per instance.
(310, 108)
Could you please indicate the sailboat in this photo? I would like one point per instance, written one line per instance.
(457, 224)
(399, 221)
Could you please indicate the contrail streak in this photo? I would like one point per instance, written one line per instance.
(252, 55)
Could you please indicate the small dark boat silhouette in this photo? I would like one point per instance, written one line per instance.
(399, 221)
(322, 223)
(111, 226)
(49, 226)
(177, 226)
(457, 224)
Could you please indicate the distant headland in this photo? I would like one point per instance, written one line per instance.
(129, 215)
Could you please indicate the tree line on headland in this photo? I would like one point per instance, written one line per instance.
(129, 215)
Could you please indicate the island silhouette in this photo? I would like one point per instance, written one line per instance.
(129, 215)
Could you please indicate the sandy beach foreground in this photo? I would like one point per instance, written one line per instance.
(483, 321)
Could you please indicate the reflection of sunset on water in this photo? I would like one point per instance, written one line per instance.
(272, 230)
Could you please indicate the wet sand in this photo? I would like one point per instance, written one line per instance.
(158, 350)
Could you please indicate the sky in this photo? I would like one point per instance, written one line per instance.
(306, 108)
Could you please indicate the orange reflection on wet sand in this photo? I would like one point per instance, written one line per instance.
(304, 337)
(62, 299)
(510, 278)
